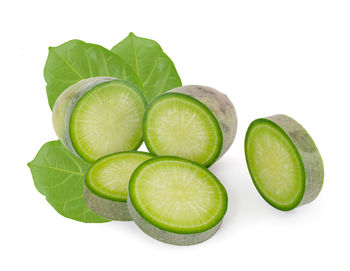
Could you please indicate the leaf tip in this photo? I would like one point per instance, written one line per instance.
(51, 48)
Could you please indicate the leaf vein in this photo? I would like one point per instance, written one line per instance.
(89, 63)
(105, 63)
(164, 82)
(58, 169)
(81, 170)
(151, 72)
(68, 64)
(136, 58)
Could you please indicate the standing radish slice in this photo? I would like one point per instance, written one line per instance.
(99, 116)
(106, 183)
(176, 201)
(193, 122)
(283, 162)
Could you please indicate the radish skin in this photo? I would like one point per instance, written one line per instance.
(176, 201)
(106, 183)
(283, 161)
(309, 155)
(170, 237)
(65, 104)
(109, 209)
(99, 116)
(220, 105)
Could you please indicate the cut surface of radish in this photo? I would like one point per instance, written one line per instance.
(176, 201)
(99, 116)
(179, 125)
(194, 122)
(283, 161)
(106, 183)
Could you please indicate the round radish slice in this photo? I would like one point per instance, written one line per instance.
(283, 162)
(193, 122)
(99, 116)
(106, 183)
(176, 201)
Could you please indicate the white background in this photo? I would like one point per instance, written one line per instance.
(270, 57)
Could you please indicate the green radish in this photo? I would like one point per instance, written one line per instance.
(176, 201)
(106, 183)
(99, 116)
(283, 162)
(193, 122)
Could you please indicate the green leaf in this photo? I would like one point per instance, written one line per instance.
(76, 60)
(155, 69)
(59, 175)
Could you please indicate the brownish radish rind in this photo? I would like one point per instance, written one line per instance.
(109, 209)
(179, 239)
(111, 206)
(171, 232)
(310, 156)
(310, 161)
(99, 133)
(220, 105)
(65, 104)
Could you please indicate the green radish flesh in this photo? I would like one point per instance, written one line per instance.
(176, 201)
(106, 183)
(283, 162)
(99, 116)
(221, 107)
(193, 122)
(179, 125)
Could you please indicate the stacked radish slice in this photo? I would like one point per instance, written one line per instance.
(169, 193)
